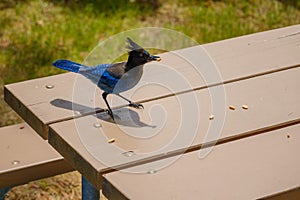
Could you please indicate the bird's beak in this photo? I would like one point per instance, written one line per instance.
(156, 58)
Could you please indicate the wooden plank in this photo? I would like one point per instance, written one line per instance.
(292, 194)
(246, 52)
(155, 133)
(26, 157)
(250, 168)
(235, 59)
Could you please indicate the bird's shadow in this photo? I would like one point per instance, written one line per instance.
(123, 116)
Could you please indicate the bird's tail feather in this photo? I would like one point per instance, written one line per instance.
(68, 65)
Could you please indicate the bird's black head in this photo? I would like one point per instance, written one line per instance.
(138, 55)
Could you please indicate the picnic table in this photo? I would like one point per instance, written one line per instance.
(231, 137)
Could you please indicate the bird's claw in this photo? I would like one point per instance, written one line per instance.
(136, 105)
(109, 112)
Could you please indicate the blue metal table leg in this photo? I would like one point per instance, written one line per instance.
(89, 192)
(3, 192)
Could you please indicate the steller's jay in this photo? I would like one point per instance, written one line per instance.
(107, 76)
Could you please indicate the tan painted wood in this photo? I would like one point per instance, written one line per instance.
(292, 194)
(167, 126)
(26, 157)
(247, 51)
(250, 168)
(237, 58)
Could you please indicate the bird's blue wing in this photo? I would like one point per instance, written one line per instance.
(100, 76)
(107, 82)
(94, 73)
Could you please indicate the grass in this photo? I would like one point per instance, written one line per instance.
(34, 33)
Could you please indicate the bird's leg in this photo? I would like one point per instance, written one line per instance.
(104, 95)
(131, 104)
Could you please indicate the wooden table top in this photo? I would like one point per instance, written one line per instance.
(251, 168)
(247, 87)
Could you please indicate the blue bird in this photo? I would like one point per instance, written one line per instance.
(117, 77)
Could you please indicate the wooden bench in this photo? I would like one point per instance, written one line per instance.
(25, 157)
(259, 71)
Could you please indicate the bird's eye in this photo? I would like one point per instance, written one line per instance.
(141, 55)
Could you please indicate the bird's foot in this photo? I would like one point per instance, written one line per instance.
(109, 112)
(136, 105)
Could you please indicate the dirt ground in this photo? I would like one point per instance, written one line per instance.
(62, 187)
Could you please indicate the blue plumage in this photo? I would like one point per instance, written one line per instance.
(107, 82)
(68, 65)
(114, 78)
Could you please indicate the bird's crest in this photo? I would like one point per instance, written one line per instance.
(132, 45)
